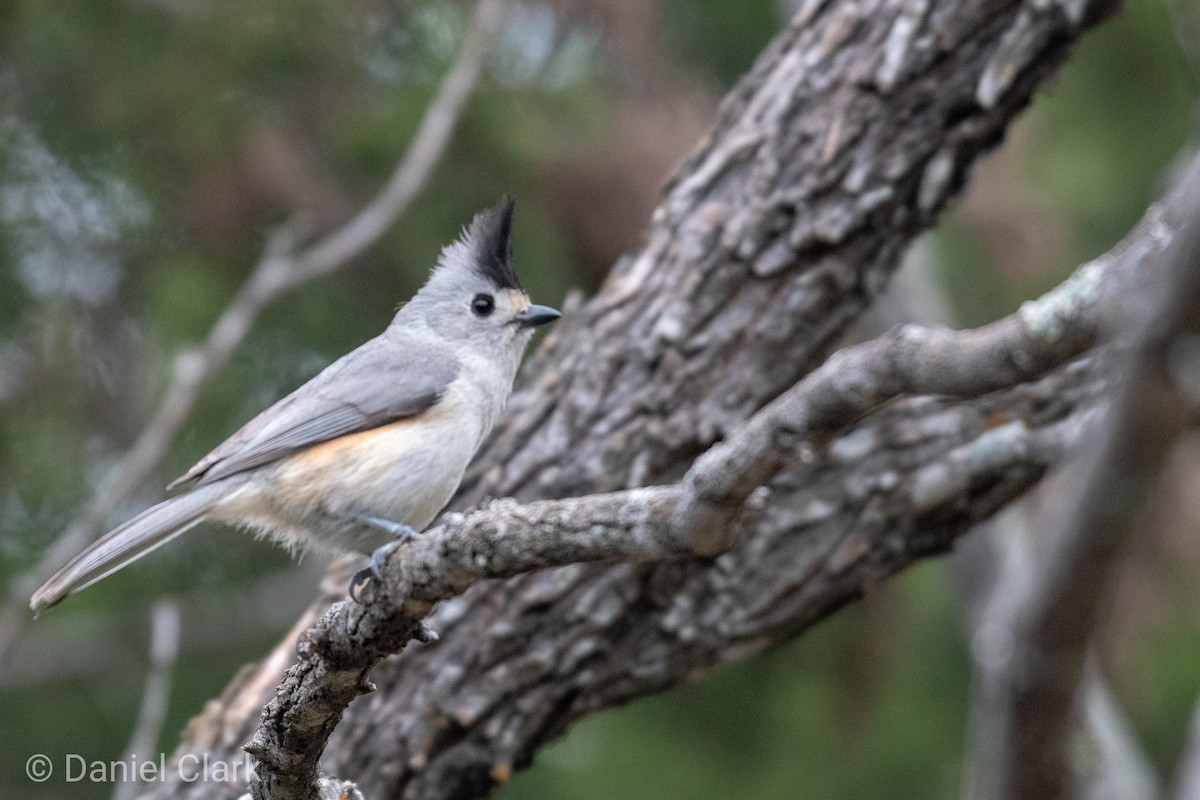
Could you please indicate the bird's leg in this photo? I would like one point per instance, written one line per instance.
(397, 529)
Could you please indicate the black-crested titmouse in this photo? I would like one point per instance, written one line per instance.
(374, 446)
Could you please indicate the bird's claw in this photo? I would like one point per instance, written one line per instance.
(374, 569)
(357, 583)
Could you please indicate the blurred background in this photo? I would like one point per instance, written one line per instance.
(149, 147)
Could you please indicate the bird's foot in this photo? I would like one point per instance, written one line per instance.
(373, 570)
(379, 557)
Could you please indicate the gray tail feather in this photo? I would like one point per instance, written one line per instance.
(127, 543)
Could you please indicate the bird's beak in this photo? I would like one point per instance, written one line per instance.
(537, 315)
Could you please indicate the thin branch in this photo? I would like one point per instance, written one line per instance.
(504, 539)
(1031, 690)
(164, 651)
(279, 270)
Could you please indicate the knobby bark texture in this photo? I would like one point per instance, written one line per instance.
(857, 124)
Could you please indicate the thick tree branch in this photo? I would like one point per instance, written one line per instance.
(1032, 692)
(281, 269)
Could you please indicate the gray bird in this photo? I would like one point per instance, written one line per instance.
(372, 448)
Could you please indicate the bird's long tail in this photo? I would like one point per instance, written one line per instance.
(127, 543)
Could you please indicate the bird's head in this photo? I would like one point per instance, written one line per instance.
(473, 297)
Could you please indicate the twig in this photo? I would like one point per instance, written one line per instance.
(164, 651)
(1030, 693)
(279, 271)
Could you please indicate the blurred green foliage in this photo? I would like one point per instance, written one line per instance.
(180, 105)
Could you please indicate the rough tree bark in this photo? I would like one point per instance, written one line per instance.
(857, 124)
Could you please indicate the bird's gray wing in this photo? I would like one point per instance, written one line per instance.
(379, 383)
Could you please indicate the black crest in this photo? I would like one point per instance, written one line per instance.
(491, 241)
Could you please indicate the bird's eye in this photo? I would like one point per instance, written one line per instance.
(483, 304)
